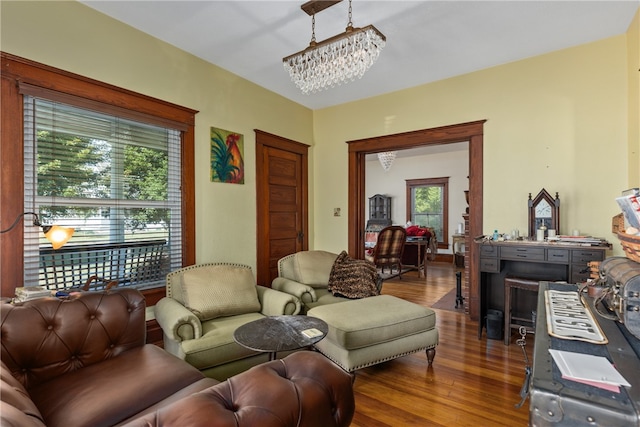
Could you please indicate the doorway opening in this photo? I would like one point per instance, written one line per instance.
(472, 132)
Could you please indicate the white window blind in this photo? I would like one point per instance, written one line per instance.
(116, 181)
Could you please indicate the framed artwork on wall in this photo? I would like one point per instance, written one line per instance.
(227, 156)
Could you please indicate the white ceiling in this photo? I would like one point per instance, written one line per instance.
(426, 40)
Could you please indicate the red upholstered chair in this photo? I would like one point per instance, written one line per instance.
(389, 248)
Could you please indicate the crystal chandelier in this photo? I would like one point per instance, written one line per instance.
(335, 60)
(386, 158)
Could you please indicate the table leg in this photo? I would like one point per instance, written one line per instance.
(424, 260)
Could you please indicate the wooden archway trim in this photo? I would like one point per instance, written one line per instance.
(473, 133)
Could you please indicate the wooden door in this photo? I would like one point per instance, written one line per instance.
(282, 198)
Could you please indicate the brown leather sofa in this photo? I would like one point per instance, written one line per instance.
(83, 361)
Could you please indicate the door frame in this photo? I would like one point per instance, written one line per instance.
(473, 132)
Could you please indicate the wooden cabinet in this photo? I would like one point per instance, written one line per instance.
(531, 260)
(380, 207)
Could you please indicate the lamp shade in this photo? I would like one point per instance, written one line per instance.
(57, 235)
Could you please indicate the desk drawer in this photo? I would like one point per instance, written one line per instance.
(488, 250)
(586, 255)
(560, 256)
(518, 253)
(579, 273)
(489, 265)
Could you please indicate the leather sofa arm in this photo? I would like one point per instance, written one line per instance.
(303, 389)
(304, 293)
(177, 321)
(276, 303)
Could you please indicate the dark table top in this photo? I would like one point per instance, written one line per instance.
(279, 333)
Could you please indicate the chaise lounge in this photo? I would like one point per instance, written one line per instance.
(362, 331)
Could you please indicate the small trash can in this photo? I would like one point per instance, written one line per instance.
(494, 324)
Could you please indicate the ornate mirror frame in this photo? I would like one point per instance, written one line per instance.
(534, 221)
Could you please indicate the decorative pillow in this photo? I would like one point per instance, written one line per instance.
(220, 290)
(353, 278)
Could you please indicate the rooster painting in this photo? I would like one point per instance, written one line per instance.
(227, 164)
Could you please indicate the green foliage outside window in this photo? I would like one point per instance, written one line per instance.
(428, 207)
(74, 167)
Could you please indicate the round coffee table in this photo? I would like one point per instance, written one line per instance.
(281, 333)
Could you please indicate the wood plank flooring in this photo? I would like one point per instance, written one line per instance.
(471, 383)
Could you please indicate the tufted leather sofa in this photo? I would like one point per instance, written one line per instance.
(83, 361)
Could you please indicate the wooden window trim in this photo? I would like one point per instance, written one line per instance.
(16, 72)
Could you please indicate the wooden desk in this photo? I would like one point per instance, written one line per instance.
(415, 254)
(530, 260)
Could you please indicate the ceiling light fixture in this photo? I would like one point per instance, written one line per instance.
(56, 234)
(335, 60)
(386, 159)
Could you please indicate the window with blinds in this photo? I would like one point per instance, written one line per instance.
(115, 180)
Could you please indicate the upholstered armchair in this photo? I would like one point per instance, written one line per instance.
(308, 276)
(389, 248)
(205, 304)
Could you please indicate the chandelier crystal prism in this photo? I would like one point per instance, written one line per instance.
(336, 60)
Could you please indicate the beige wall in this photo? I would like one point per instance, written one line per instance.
(557, 121)
(73, 37)
(563, 121)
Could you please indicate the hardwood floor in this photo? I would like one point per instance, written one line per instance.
(471, 383)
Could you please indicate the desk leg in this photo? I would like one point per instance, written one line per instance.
(482, 303)
(418, 261)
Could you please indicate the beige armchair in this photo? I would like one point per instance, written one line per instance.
(203, 307)
(306, 275)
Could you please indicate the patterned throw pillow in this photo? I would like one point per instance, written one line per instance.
(353, 278)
